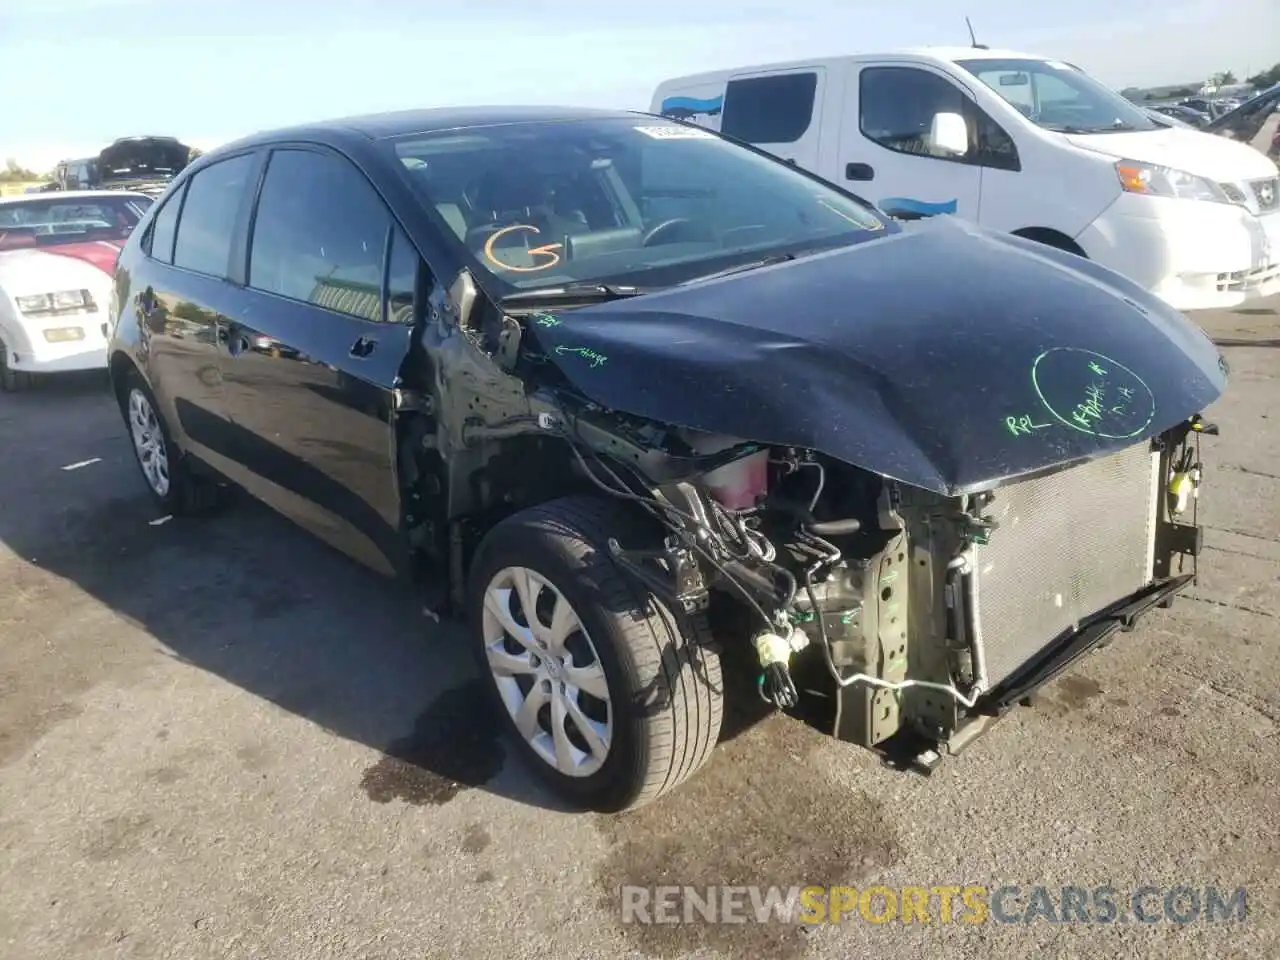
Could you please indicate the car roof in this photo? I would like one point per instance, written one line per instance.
(935, 55)
(379, 126)
(73, 195)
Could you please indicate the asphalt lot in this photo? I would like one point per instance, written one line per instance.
(220, 739)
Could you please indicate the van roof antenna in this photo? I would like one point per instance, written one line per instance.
(972, 39)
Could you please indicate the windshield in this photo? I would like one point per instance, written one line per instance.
(1059, 97)
(638, 200)
(143, 158)
(57, 221)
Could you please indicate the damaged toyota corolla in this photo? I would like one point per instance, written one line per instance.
(635, 401)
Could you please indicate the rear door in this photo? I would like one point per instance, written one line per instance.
(887, 151)
(779, 111)
(181, 291)
(311, 361)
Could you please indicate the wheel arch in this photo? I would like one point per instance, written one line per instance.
(450, 503)
(120, 366)
(1051, 238)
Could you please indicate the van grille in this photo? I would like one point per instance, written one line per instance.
(1068, 545)
(1267, 193)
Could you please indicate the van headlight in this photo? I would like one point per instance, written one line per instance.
(1156, 181)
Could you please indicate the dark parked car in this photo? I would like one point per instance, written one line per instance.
(632, 400)
(1177, 111)
(1247, 123)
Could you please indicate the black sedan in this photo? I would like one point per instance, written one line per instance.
(633, 399)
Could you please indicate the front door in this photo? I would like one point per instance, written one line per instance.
(311, 363)
(895, 149)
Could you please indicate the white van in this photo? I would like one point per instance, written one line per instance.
(1016, 143)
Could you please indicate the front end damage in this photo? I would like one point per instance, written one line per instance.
(897, 549)
(896, 618)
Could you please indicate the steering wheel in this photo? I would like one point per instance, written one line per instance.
(655, 234)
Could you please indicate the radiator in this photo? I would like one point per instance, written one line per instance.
(1068, 545)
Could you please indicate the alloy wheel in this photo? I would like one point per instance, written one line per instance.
(547, 671)
(149, 442)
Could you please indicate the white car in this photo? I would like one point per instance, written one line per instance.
(57, 254)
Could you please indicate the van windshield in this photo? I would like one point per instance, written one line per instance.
(636, 200)
(1058, 96)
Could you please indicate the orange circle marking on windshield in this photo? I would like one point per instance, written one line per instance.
(549, 250)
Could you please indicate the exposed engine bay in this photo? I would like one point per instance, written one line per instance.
(892, 617)
(895, 576)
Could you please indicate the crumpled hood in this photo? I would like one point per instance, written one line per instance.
(944, 356)
(1207, 155)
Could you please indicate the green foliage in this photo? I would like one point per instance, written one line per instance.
(12, 173)
(1267, 78)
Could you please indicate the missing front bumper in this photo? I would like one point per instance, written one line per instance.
(1067, 649)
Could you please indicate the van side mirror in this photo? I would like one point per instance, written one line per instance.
(949, 134)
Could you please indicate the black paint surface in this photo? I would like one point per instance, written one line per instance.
(945, 356)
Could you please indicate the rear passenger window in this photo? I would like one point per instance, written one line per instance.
(163, 229)
(319, 234)
(208, 219)
(774, 109)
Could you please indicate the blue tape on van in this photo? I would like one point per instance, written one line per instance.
(691, 105)
(897, 206)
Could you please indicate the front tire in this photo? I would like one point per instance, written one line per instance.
(12, 381)
(612, 700)
(170, 481)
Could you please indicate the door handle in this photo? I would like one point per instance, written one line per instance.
(859, 171)
(363, 347)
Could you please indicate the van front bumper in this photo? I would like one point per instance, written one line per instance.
(1194, 255)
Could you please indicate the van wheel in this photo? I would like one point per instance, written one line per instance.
(168, 475)
(612, 700)
(12, 381)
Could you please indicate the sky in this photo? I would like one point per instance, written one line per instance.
(79, 73)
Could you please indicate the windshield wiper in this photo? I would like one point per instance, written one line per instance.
(743, 267)
(1118, 127)
(572, 293)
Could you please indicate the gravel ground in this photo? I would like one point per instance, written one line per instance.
(221, 739)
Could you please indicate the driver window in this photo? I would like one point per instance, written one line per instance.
(328, 254)
(897, 107)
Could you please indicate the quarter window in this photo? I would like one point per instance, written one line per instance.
(776, 109)
(208, 222)
(164, 228)
(319, 234)
(402, 278)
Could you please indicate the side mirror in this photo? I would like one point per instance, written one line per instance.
(949, 134)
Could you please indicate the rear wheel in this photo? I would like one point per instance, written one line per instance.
(167, 473)
(611, 698)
